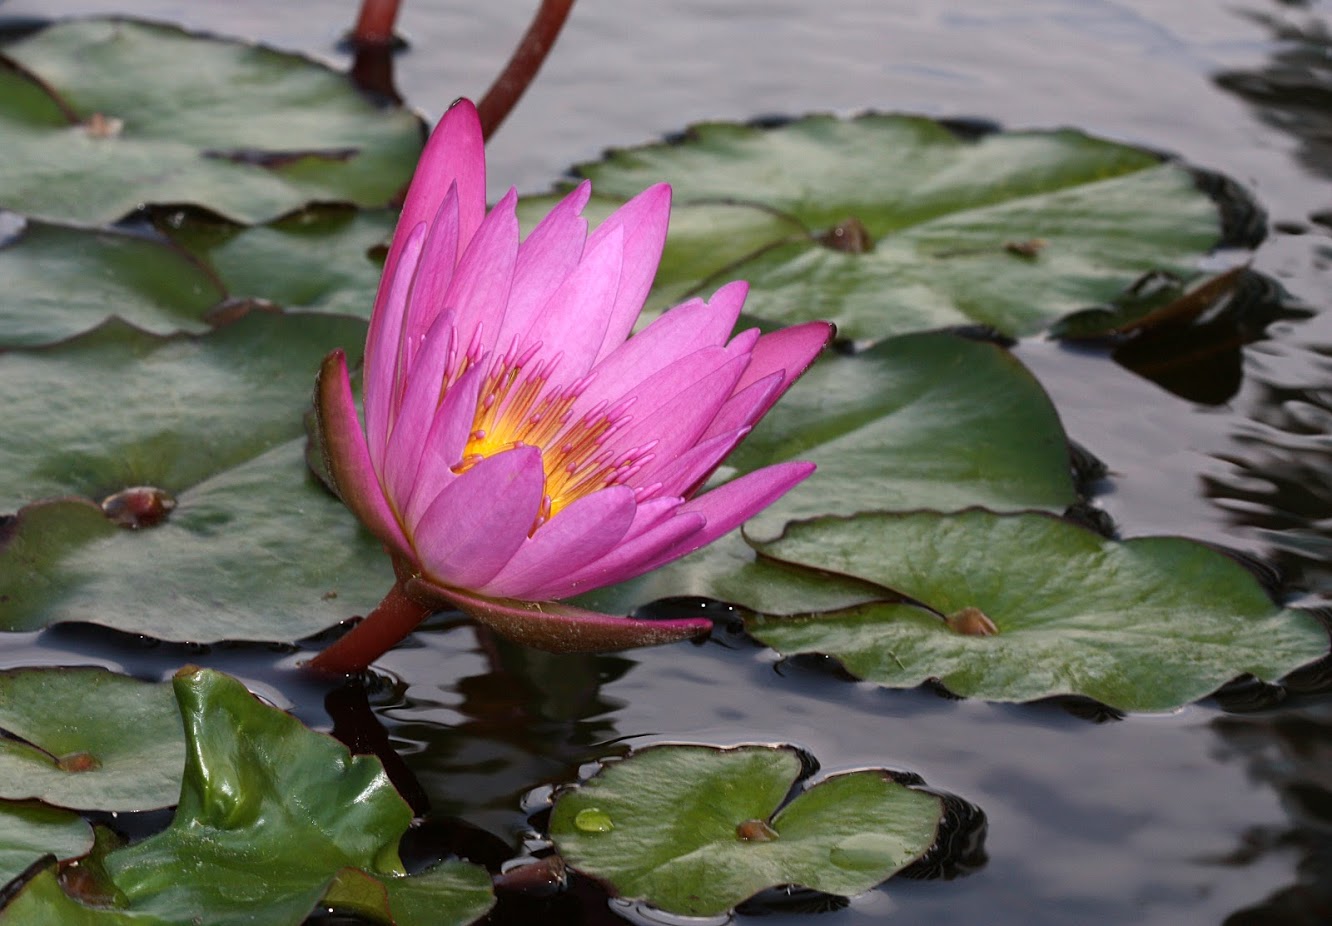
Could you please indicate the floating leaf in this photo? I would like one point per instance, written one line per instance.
(89, 739)
(1148, 624)
(259, 552)
(30, 830)
(271, 816)
(117, 408)
(696, 830)
(60, 281)
(325, 258)
(102, 115)
(904, 224)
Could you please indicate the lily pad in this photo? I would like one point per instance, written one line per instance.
(259, 552)
(102, 115)
(117, 407)
(919, 421)
(696, 830)
(271, 816)
(90, 739)
(29, 830)
(324, 258)
(1148, 624)
(904, 224)
(61, 281)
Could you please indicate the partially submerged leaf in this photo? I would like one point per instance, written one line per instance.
(1012, 230)
(102, 115)
(90, 739)
(1148, 624)
(696, 830)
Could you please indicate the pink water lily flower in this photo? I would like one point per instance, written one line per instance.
(519, 445)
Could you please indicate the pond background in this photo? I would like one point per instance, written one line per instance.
(1185, 818)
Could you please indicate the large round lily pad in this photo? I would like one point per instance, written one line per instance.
(102, 115)
(1011, 229)
(90, 739)
(259, 552)
(60, 282)
(117, 407)
(1147, 624)
(696, 830)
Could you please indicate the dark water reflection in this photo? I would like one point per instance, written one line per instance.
(1198, 817)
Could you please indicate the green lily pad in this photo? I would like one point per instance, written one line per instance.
(259, 552)
(60, 282)
(696, 830)
(324, 258)
(919, 421)
(272, 817)
(29, 830)
(102, 115)
(1012, 230)
(117, 407)
(1148, 624)
(90, 739)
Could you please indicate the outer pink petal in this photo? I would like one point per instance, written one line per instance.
(548, 255)
(562, 628)
(479, 293)
(728, 506)
(480, 519)
(383, 341)
(455, 153)
(745, 407)
(402, 456)
(443, 447)
(644, 220)
(681, 475)
(629, 559)
(790, 350)
(346, 455)
(571, 323)
(586, 530)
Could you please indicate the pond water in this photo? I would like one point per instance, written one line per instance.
(1205, 815)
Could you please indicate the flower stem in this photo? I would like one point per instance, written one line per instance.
(391, 620)
(527, 58)
(374, 25)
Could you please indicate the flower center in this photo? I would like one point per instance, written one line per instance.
(515, 409)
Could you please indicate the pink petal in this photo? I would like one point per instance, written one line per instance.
(443, 446)
(586, 530)
(745, 407)
(434, 273)
(681, 475)
(790, 350)
(571, 323)
(454, 154)
(644, 220)
(481, 518)
(728, 506)
(480, 289)
(382, 344)
(402, 456)
(562, 628)
(346, 454)
(629, 559)
(545, 258)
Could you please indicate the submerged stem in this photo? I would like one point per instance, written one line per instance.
(391, 620)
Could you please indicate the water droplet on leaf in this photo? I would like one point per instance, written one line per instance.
(593, 820)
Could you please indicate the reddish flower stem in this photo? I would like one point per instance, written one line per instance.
(527, 58)
(374, 25)
(391, 620)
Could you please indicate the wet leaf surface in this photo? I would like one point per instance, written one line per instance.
(1011, 230)
(102, 115)
(89, 739)
(696, 830)
(1148, 624)
(29, 830)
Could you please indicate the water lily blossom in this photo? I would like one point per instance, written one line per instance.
(519, 446)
